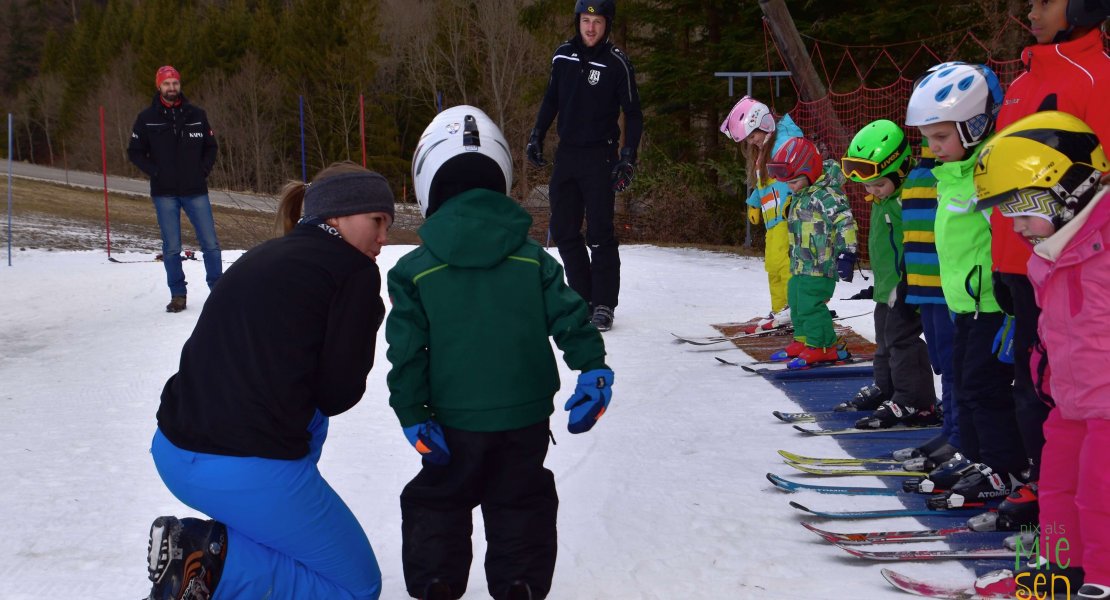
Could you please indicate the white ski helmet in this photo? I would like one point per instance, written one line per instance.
(461, 149)
(968, 95)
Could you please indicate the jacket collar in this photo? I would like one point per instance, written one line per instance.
(1052, 247)
(1063, 55)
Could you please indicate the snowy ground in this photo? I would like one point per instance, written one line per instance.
(665, 499)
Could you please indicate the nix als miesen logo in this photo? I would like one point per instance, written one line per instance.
(1041, 583)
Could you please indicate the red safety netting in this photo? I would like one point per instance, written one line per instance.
(832, 121)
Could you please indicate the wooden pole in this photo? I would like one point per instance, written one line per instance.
(810, 87)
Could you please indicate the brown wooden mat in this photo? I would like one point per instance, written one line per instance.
(760, 348)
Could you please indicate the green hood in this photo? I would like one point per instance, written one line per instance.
(476, 229)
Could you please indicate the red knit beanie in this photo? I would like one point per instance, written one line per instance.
(164, 73)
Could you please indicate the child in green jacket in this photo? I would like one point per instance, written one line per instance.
(473, 375)
(879, 158)
(822, 246)
(954, 106)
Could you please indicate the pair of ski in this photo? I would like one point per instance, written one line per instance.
(966, 544)
(769, 366)
(847, 466)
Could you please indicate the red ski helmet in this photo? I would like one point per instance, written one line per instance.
(797, 157)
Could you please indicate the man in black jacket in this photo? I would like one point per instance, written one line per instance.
(172, 142)
(591, 83)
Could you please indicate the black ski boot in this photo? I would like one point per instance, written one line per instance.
(923, 450)
(891, 413)
(941, 478)
(185, 558)
(932, 460)
(869, 397)
(978, 486)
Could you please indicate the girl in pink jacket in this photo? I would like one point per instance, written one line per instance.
(1044, 172)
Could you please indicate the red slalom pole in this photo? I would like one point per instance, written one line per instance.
(104, 168)
(362, 127)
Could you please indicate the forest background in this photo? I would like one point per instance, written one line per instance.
(249, 63)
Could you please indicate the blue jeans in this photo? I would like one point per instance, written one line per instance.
(199, 211)
(289, 535)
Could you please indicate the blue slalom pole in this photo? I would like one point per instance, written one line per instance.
(9, 189)
(304, 168)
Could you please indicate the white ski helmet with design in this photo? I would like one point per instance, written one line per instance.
(461, 149)
(967, 95)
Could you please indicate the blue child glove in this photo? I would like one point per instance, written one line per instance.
(846, 265)
(1003, 345)
(427, 438)
(590, 399)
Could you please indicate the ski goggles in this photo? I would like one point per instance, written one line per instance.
(780, 171)
(866, 170)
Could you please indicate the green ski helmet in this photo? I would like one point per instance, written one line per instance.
(880, 149)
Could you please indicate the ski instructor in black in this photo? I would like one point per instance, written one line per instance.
(591, 83)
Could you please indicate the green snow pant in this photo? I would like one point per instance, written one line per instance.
(807, 295)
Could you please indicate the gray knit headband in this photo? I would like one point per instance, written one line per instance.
(348, 194)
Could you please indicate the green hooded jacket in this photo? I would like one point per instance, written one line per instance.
(963, 238)
(473, 308)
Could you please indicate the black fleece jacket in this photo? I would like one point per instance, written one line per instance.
(290, 329)
(174, 146)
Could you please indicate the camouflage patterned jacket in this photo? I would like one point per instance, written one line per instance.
(821, 225)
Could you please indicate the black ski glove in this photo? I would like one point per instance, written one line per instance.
(846, 265)
(624, 171)
(534, 150)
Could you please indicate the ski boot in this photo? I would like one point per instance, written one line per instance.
(602, 317)
(1018, 512)
(185, 558)
(1094, 591)
(978, 486)
(892, 413)
(814, 356)
(923, 450)
(932, 460)
(869, 397)
(790, 351)
(941, 478)
(773, 320)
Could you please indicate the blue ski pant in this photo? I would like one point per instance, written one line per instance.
(939, 329)
(290, 536)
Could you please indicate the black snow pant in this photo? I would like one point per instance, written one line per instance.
(502, 472)
(581, 187)
(1031, 412)
(902, 368)
(984, 391)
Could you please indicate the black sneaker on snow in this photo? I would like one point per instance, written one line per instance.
(602, 317)
(185, 558)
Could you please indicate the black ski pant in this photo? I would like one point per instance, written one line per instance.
(902, 368)
(502, 472)
(1031, 412)
(581, 187)
(984, 391)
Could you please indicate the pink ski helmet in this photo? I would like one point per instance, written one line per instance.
(747, 116)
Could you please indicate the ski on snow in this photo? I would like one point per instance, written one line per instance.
(708, 340)
(822, 461)
(887, 537)
(848, 470)
(847, 430)
(885, 513)
(813, 417)
(973, 553)
(788, 485)
(929, 590)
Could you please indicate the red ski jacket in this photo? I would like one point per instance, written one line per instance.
(1073, 77)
